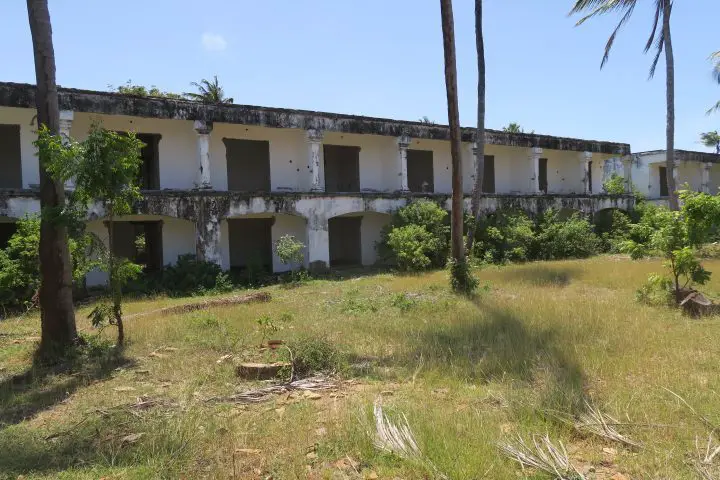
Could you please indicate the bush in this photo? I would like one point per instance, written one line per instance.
(461, 277)
(291, 252)
(572, 238)
(613, 228)
(614, 185)
(314, 355)
(192, 277)
(504, 237)
(656, 291)
(418, 237)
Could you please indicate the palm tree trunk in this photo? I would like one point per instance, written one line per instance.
(480, 132)
(670, 92)
(456, 223)
(57, 315)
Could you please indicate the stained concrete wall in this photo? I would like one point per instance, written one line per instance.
(370, 228)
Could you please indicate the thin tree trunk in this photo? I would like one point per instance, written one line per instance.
(57, 315)
(670, 92)
(456, 224)
(115, 290)
(480, 132)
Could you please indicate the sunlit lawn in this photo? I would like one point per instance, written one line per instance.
(534, 346)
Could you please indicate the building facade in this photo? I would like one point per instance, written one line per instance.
(224, 182)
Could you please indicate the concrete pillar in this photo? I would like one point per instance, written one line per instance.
(403, 142)
(314, 139)
(318, 243)
(203, 130)
(705, 186)
(207, 230)
(66, 119)
(585, 159)
(627, 172)
(535, 154)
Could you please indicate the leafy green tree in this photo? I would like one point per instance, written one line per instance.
(105, 168)
(674, 236)
(208, 92)
(141, 91)
(660, 40)
(614, 185)
(711, 140)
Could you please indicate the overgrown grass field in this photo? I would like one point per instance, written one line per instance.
(524, 356)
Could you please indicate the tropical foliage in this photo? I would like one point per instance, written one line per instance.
(209, 91)
(711, 140)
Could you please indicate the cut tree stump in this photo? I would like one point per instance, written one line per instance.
(260, 371)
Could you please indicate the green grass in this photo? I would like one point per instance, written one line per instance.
(467, 373)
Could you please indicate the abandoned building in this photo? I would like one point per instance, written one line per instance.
(224, 182)
(697, 171)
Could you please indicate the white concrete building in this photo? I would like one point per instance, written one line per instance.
(698, 171)
(225, 181)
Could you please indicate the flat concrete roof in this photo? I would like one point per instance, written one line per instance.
(685, 155)
(22, 95)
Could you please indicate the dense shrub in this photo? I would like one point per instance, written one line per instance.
(314, 355)
(572, 238)
(503, 237)
(418, 237)
(613, 227)
(190, 276)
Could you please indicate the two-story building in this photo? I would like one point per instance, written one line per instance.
(224, 182)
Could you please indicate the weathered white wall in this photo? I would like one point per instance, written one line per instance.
(178, 237)
(289, 159)
(370, 228)
(24, 117)
(177, 148)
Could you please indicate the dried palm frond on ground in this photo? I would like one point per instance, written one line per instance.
(397, 438)
(542, 455)
(603, 425)
(708, 461)
(258, 395)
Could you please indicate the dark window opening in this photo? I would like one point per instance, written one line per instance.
(345, 243)
(589, 176)
(10, 159)
(150, 170)
(248, 165)
(342, 168)
(488, 185)
(542, 172)
(420, 171)
(663, 181)
(139, 242)
(250, 241)
(7, 229)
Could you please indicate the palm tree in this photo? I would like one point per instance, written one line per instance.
(711, 140)
(209, 92)
(456, 219)
(480, 130)
(660, 40)
(57, 314)
(715, 57)
(513, 128)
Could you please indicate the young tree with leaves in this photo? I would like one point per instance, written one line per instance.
(105, 169)
(659, 39)
(57, 313)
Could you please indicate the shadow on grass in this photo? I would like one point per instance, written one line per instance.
(541, 275)
(41, 387)
(501, 347)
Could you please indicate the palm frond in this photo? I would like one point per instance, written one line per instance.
(600, 7)
(660, 46)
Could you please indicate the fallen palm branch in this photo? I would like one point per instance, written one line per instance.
(398, 439)
(542, 455)
(205, 304)
(603, 425)
(706, 465)
(258, 395)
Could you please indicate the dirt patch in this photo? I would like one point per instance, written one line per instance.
(215, 302)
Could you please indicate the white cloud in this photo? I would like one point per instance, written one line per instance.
(213, 42)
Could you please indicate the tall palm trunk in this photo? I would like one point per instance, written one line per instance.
(57, 316)
(480, 132)
(670, 97)
(456, 224)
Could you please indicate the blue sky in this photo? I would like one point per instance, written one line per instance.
(384, 58)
